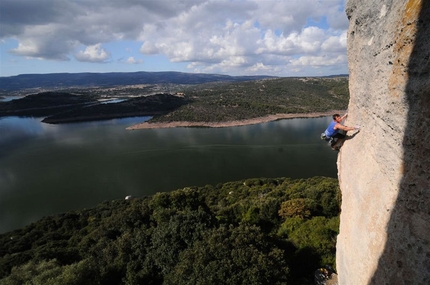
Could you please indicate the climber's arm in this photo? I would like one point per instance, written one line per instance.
(343, 128)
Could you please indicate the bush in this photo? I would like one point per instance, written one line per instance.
(255, 231)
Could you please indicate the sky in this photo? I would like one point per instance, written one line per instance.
(233, 37)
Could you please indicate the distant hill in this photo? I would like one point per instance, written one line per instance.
(62, 107)
(209, 102)
(65, 80)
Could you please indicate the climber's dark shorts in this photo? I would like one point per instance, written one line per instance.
(336, 137)
(339, 136)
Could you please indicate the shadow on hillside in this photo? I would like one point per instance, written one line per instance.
(406, 256)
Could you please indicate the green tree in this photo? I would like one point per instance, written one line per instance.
(231, 255)
(300, 207)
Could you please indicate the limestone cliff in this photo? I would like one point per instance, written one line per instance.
(384, 171)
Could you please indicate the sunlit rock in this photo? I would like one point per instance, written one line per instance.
(384, 171)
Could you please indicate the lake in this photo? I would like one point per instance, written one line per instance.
(48, 169)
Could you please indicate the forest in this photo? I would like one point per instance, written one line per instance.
(220, 102)
(254, 231)
(208, 102)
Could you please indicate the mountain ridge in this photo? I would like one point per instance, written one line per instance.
(93, 79)
(88, 79)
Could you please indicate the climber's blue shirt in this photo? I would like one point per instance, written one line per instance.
(331, 132)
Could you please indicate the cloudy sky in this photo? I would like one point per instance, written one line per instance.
(234, 37)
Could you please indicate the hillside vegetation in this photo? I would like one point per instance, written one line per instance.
(255, 231)
(252, 99)
(141, 106)
(63, 107)
(211, 102)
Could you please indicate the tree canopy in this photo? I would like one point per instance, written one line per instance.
(254, 231)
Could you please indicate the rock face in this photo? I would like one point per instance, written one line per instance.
(384, 171)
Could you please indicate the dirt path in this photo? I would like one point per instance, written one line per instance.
(253, 121)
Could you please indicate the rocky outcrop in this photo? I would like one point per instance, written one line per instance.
(384, 171)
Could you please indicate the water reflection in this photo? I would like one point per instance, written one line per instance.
(47, 169)
(110, 101)
(14, 130)
(10, 98)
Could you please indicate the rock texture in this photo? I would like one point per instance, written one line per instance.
(384, 171)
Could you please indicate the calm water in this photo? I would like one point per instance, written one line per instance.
(47, 169)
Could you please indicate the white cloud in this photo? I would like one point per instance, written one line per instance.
(262, 33)
(335, 43)
(318, 61)
(44, 42)
(94, 53)
(132, 60)
(233, 37)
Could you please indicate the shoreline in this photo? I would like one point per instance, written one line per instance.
(253, 121)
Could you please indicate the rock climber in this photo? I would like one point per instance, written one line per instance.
(333, 134)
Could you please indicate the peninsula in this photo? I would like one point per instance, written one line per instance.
(236, 123)
(210, 104)
(252, 102)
